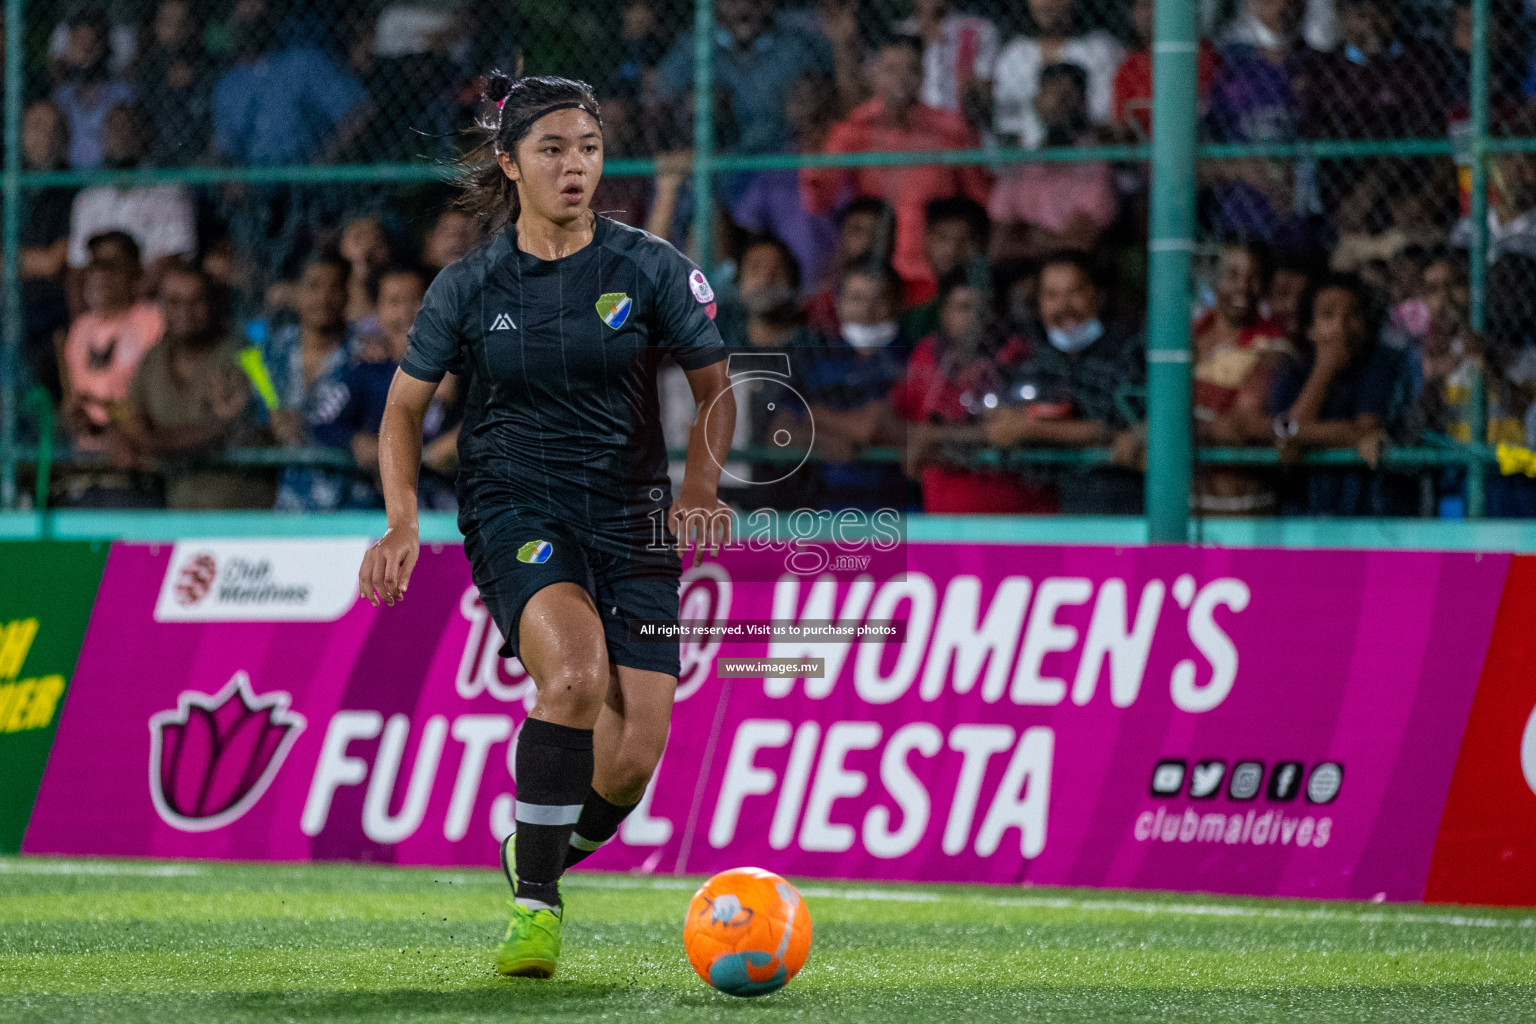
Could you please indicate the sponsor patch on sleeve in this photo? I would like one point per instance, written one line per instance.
(700, 286)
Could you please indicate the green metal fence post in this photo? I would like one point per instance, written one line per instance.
(1174, 49)
(703, 131)
(10, 237)
(1477, 256)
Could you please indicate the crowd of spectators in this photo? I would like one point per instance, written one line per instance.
(954, 313)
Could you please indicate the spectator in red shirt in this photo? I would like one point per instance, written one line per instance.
(1133, 82)
(953, 377)
(1238, 354)
(896, 121)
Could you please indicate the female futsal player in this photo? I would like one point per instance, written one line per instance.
(558, 323)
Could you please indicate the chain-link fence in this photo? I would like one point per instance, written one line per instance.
(1373, 147)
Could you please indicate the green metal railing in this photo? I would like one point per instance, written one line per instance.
(1172, 156)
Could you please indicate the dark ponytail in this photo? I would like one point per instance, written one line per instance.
(512, 106)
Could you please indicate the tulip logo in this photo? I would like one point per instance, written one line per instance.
(196, 579)
(212, 758)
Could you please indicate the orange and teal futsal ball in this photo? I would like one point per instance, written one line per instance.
(748, 932)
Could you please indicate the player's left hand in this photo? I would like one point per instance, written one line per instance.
(700, 520)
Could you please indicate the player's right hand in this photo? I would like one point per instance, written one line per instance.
(387, 566)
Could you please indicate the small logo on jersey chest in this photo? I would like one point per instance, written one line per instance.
(614, 308)
(503, 322)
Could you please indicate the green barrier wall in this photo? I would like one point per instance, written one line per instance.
(46, 593)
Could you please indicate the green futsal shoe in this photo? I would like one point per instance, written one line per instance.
(532, 946)
(509, 860)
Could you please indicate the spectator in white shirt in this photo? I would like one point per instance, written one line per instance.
(1056, 37)
(159, 217)
(959, 54)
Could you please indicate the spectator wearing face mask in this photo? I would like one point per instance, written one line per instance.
(1379, 83)
(765, 312)
(89, 90)
(954, 378)
(866, 228)
(1073, 390)
(847, 380)
(159, 217)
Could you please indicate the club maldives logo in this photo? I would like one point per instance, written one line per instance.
(242, 580)
(212, 758)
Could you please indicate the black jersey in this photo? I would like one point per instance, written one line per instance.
(560, 359)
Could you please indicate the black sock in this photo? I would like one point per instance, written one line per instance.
(598, 822)
(554, 773)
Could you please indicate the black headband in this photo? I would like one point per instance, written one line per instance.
(518, 130)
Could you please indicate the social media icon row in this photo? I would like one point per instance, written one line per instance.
(1246, 779)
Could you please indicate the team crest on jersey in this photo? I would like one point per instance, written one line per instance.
(699, 285)
(534, 552)
(614, 308)
(503, 322)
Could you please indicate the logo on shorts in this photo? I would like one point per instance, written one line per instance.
(534, 552)
(699, 285)
(614, 308)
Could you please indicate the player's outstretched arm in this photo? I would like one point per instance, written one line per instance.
(698, 515)
(387, 566)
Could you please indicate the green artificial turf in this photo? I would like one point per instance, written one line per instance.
(175, 943)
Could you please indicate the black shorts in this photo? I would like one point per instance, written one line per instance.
(515, 553)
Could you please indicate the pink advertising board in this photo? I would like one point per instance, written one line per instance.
(1243, 721)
